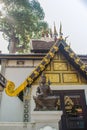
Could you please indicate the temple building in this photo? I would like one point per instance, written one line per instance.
(50, 64)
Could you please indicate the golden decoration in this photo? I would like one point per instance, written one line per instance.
(55, 47)
(83, 67)
(41, 67)
(60, 66)
(66, 48)
(29, 79)
(11, 90)
(36, 73)
(54, 78)
(70, 78)
(77, 60)
(46, 60)
(51, 54)
(10, 86)
(71, 55)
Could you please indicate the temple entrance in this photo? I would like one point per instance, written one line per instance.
(73, 104)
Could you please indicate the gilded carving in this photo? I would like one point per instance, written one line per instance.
(72, 54)
(56, 57)
(83, 80)
(70, 78)
(62, 57)
(60, 66)
(54, 78)
(83, 67)
(77, 60)
(72, 68)
(48, 68)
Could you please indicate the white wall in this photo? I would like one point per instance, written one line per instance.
(11, 108)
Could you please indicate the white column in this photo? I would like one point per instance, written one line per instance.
(3, 64)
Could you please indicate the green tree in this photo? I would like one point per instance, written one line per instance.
(19, 21)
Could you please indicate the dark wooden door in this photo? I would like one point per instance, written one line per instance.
(73, 104)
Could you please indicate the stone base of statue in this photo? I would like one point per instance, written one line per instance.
(48, 120)
(47, 103)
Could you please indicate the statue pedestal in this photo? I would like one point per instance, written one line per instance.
(46, 119)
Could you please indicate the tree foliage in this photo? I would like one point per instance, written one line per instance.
(20, 20)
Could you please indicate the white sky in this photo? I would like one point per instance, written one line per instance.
(72, 14)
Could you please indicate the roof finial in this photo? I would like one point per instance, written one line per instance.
(55, 32)
(50, 31)
(60, 31)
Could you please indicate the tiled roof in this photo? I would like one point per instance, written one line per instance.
(83, 58)
(41, 46)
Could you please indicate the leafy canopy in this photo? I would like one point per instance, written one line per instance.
(21, 20)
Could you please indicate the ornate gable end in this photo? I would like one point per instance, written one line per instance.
(64, 69)
(57, 65)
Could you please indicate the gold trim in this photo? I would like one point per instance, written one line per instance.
(83, 67)
(60, 66)
(77, 60)
(71, 55)
(70, 78)
(66, 48)
(10, 86)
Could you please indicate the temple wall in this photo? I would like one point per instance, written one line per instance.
(11, 108)
(16, 126)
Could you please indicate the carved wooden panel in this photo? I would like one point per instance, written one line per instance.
(70, 78)
(83, 80)
(56, 57)
(72, 68)
(54, 78)
(37, 81)
(48, 68)
(62, 57)
(60, 66)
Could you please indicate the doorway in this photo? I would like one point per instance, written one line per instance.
(73, 105)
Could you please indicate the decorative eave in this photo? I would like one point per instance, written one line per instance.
(33, 56)
(10, 86)
(41, 45)
(75, 59)
(59, 45)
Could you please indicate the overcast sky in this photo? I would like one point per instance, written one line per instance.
(73, 16)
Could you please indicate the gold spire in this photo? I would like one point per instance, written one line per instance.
(55, 31)
(50, 31)
(60, 31)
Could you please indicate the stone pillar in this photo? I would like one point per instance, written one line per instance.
(27, 106)
(3, 65)
(46, 119)
(0, 96)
